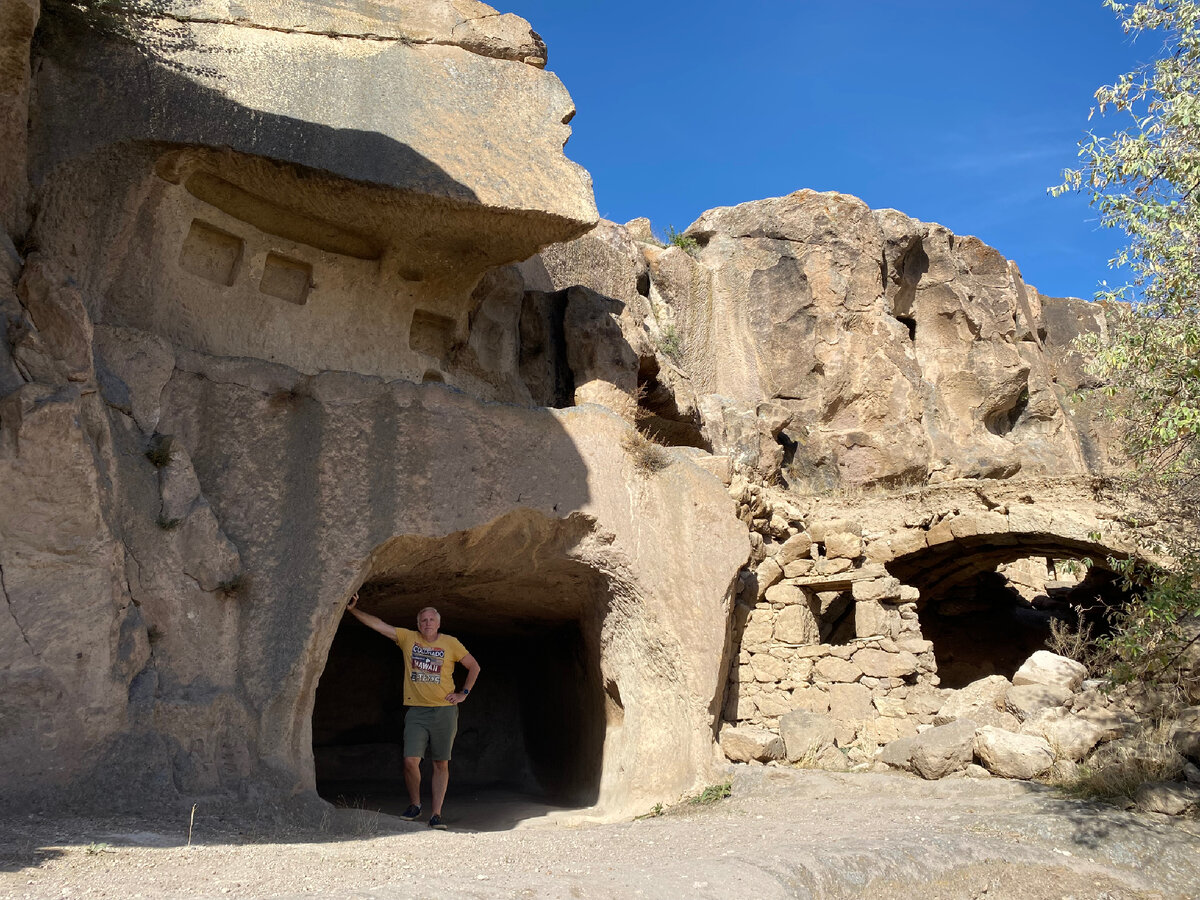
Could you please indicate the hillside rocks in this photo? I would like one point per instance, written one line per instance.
(270, 342)
(843, 345)
(1079, 727)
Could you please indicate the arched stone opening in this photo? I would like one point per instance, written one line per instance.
(984, 617)
(531, 735)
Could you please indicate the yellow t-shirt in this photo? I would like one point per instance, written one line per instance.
(428, 668)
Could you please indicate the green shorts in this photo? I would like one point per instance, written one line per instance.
(430, 726)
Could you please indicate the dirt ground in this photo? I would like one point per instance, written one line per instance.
(783, 833)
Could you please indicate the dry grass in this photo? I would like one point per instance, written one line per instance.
(1116, 771)
(1076, 640)
(799, 486)
(648, 457)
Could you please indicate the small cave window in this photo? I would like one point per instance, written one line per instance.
(286, 278)
(911, 324)
(211, 253)
(643, 284)
(835, 617)
(431, 334)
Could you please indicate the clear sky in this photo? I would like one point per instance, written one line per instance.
(961, 112)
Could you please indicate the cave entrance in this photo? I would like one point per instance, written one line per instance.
(987, 607)
(530, 737)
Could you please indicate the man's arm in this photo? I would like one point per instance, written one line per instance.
(388, 631)
(469, 663)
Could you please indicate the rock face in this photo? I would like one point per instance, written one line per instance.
(893, 350)
(269, 351)
(270, 341)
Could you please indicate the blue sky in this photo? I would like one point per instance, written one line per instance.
(961, 112)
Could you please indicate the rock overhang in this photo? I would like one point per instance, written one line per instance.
(386, 102)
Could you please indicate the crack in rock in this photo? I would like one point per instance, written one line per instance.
(361, 36)
(12, 612)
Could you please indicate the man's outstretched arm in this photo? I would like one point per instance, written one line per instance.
(388, 631)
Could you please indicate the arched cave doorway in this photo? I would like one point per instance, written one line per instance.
(531, 735)
(987, 602)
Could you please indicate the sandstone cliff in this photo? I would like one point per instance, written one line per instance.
(256, 333)
(844, 345)
(306, 300)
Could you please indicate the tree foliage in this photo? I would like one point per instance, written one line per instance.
(1143, 178)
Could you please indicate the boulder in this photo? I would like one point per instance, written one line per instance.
(832, 760)
(924, 701)
(1071, 736)
(795, 623)
(806, 734)
(1012, 755)
(747, 743)
(767, 574)
(1185, 733)
(843, 545)
(898, 753)
(943, 749)
(1047, 668)
(794, 548)
(1171, 798)
(850, 707)
(1024, 700)
(980, 701)
(784, 274)
(870, 618)
(885, 588)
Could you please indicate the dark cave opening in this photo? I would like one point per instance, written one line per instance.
(987, 608)
(532, 730)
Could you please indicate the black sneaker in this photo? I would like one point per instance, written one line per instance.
(436, 822)
(411, 813)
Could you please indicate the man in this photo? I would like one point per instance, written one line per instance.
(432, 717)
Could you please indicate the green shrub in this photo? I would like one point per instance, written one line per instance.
(684, 242)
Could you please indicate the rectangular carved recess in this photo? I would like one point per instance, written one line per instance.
(211, 253)
(431, 334)
(285, 278)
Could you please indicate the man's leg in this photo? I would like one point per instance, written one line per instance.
(412, 780)
(416, 738)
(441, 778)
(441, 740)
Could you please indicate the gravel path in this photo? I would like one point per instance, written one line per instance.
(783, 834)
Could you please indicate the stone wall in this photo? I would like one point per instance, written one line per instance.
(828, 619)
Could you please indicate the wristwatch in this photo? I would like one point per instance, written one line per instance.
(465, 691)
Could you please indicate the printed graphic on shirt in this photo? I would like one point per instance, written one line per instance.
(427, 664)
